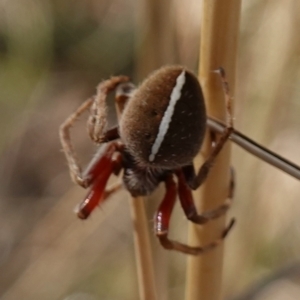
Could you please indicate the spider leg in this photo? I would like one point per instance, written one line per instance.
(162, 220)
(109, 135)
(98, 174)
(188, 205)
(98, 118)
(65, 138)
(198, 179)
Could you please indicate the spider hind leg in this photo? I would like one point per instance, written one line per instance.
(162, 220)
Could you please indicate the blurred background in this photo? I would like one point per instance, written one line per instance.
(52, 55)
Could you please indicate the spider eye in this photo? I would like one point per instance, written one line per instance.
(148, 136)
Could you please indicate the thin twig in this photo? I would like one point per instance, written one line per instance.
(143, 254)
(155, 47)
(263, 153)
(144, 260)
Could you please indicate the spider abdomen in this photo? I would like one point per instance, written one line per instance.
(163, 124)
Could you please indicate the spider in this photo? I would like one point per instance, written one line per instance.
(161, 129)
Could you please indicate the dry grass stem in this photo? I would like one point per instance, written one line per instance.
(143, 254)
(142, 246)
(219, 32)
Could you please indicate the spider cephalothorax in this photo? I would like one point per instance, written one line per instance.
(162, 126)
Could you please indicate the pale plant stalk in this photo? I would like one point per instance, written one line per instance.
(218, 47)
(143, 254)
(154, 48)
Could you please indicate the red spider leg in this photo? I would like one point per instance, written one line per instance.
(162, 220)
(99, 162)
(163, 214)
(99, 173)
(188, 205)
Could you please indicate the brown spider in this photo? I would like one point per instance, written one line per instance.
(161, 129)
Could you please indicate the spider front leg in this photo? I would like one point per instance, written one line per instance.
(162, 220)
(108, 162)
(195, 180)
(65, 139)
(96, 126)
(98, 118)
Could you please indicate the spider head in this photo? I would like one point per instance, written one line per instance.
(163, 123)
